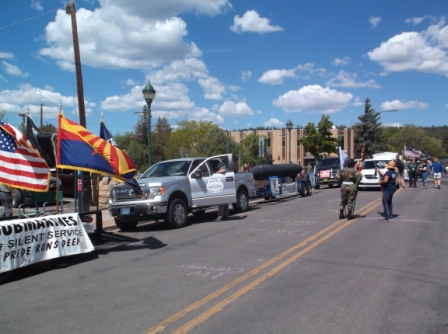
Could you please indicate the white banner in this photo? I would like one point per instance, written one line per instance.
(27, 241)
(289, 189)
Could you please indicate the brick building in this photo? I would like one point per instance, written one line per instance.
(279, 143)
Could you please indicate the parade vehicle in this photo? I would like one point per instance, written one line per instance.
(174, 188)
(369, 172)
(326, 172)
(282, 180)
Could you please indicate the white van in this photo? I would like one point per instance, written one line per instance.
(369, 176)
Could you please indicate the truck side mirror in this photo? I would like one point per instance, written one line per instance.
(197, 174)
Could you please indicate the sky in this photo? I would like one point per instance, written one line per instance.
(238, 64)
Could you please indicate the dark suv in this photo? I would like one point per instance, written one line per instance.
(326, 172)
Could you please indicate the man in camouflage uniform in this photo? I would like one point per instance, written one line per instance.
(348, 181)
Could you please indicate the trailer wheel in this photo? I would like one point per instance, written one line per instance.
(317, 186)
(330, 185)
(16, 198)
(242, 202)
(303, 190)
(125, 225)
(176, 216)
(309, 189)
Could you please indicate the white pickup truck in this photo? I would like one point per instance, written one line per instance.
(174, 188)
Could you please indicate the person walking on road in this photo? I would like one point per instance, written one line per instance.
(424, 171)
(411, 168)
(223, 210)
(437, 169)
(400, 166)
(388, 186)
(6, 200)
(348, 181)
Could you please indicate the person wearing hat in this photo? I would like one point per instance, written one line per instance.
(348, 180)
(223, 210)
(388, 187)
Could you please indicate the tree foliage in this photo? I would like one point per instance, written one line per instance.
(160, 136)
(368, 131)
(250, 150)
(2, 115)
(320, 140)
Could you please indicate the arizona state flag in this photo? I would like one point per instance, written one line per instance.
(79, 149)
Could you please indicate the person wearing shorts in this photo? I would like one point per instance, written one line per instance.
(437, 172)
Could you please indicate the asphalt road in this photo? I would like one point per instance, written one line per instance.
(286, 266)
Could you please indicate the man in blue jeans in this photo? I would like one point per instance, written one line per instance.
(6, 200)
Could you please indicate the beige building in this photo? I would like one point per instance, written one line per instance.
(280, 141)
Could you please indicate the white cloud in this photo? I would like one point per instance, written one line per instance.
(27, 96)
(398, 105)
(276, 77)
(358, 102)
(245, 75)
(205, 115)
(374, 21)
(13, 70)
(422, 52)
(252, 22)
(339, 61)
(168, 8)
(417, 20)
(180, 70)
(112, 39)
(213, 88)
(230, 108)
(313, 98)
(274, 122)
(37, 5)
(6, 55)
(130, 82)
(345, 79)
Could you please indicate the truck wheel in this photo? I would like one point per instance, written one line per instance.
(303, 190)
(309, 189)
(16, 198)
(176, 215)
(125, 226)
(242, 202)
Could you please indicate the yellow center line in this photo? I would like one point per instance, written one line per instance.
(163, 324)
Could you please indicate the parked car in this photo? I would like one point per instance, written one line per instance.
(369, 174)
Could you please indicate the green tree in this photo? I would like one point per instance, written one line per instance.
(2, 115)
(320, 140)
(138, 154)
(159, 138)
(49, 129)
(201, 138)
(367, 130)
(141, 128)
(250, 150)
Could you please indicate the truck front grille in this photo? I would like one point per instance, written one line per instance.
(126, 194)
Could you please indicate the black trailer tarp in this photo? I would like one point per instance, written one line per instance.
(263, 172)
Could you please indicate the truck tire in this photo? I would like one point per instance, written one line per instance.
(176, 215)
(303, 190)
(309, 189)
(16, 198)
(125, 225)
(242, 202)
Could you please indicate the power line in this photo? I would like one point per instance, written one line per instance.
(30, 18)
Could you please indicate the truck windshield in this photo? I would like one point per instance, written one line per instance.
(328, 162)
(168, 168)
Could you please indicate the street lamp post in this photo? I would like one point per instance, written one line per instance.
(374, 145)
(149, 94)
(289, 127)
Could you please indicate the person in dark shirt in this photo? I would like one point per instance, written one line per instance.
(388, 187)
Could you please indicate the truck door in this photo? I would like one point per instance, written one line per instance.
(211, 188)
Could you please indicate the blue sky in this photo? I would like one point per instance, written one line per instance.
(239, 64)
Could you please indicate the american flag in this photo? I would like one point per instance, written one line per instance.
(411, 153)
(20, 164)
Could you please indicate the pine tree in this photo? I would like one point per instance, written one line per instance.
(367, 131)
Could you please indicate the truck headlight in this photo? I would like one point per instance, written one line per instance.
(156, 191)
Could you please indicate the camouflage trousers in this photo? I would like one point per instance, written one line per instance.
(348, 196)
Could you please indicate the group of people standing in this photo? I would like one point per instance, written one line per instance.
(390, 179)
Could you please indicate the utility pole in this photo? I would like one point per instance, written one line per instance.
(70, 9)
(41, 115)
